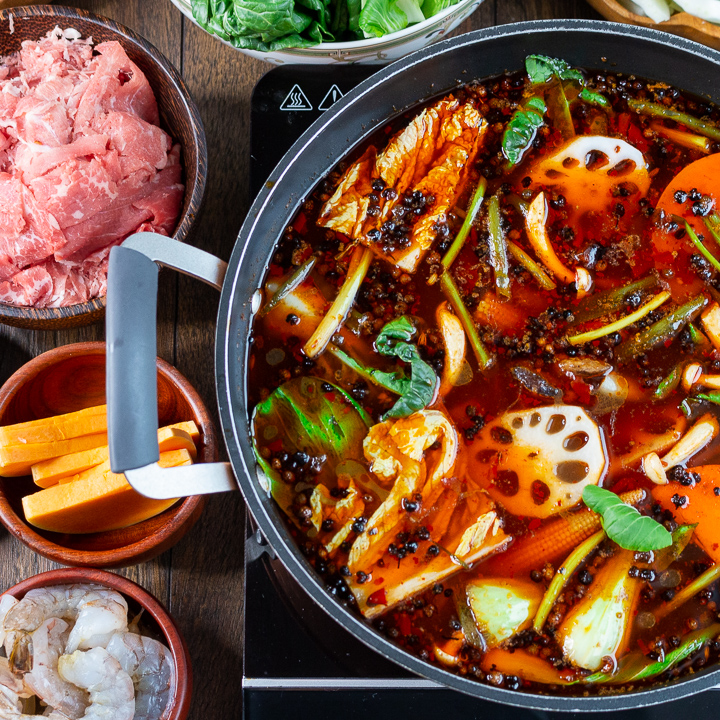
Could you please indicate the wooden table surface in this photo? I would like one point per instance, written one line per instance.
(201, 579)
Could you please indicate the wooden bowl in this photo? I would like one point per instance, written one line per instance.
(179, 116)
(683, 24)
(159, 621)
(71, 378)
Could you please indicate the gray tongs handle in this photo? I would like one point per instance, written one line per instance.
(131, 378)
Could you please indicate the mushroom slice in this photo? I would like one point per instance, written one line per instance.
(584, 367)
(453, 337)
(699, 435)
(611, 394)
(544, 458)
(587, 168)
(535, 221)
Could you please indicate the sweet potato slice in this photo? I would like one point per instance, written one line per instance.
(697, 503)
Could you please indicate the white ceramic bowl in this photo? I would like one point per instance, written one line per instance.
(371, 51)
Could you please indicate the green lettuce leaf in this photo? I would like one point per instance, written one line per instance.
(412, 10)
(593, 98)
(520, 131)
(381, 17)
(623, 524)
(267, 25)
(433, 7)
(541, 69)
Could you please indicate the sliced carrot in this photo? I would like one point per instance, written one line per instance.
(522, 664)
(696, 504)
(499, 315)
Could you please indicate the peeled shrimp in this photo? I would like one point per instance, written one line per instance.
(12, 689)
(98, 613)
(111, 690)
(48, 643)
(6, 603)
(150, 665)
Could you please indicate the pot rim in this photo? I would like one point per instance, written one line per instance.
(245, 276)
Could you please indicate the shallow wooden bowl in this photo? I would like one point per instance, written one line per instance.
(179, 116)
(156, 618)
(70, 378)
(683, 24)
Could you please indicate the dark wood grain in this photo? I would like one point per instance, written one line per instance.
(201, 578)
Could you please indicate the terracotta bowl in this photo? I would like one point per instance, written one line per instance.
(683, 24)
(71, 378)
(179, 116)
(159, 623)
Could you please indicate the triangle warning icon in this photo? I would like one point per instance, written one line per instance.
(331, 97)
(296, 100)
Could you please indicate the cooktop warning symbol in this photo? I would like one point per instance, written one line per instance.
(296, 100)
(332, 96)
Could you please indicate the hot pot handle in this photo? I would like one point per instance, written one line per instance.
(131, 377)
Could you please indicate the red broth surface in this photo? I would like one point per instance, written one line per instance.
(446, 492)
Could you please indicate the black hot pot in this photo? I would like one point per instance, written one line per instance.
(387, 94)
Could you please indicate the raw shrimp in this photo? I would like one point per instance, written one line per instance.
(99, 613)
(111, 690)
(6, 602)
(12, 690)
(150, 665)
(44, 680)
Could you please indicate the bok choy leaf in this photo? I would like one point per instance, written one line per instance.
(520, 131)
(541, 69)
(417, 391)
(303, 416)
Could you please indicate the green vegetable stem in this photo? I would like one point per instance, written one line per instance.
(662, 331)
(498, 248)
(637, 666)
(654, 110)
(610, 301)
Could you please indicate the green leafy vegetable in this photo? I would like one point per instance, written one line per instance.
(623, 524)
(268, 25)
(713, 397)
(379, 17)
(417, 391)
(520, 131)
(541, 69)
(300, 416)
(593, 98)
